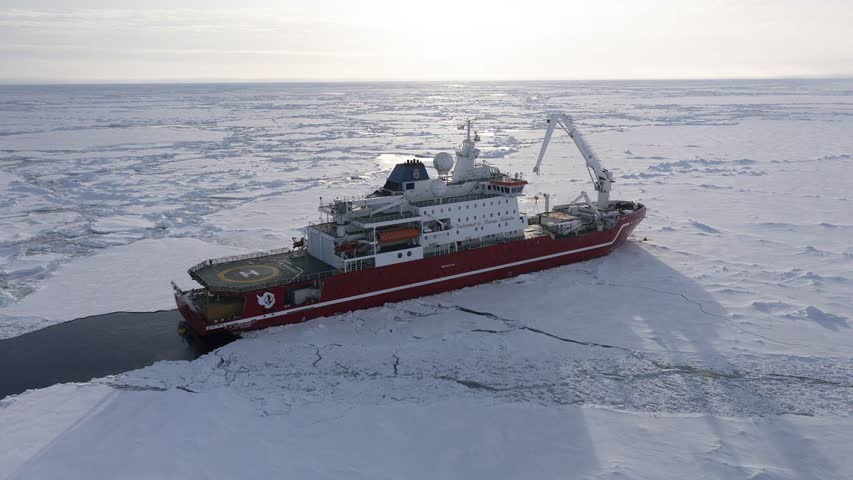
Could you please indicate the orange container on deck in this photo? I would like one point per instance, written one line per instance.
(398, 234)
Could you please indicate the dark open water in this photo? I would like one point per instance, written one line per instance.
(93, 347)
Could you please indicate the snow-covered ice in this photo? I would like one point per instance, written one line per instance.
(457, 438)
(125, 278)
(720, 347)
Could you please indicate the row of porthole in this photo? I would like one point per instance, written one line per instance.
(408, 254)
(506, 224)
(459, 208)
(481, 228)
(476, 229)
(491, 215)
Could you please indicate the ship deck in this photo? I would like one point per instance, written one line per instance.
(244, 274)
(533, 231)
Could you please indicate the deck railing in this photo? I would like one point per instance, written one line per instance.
(302, 277)
(367, 220)
(472, 245)
(236, 258)
(447, 200)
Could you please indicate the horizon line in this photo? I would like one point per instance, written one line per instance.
(237, 81)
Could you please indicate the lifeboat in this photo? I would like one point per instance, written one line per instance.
(398, 234)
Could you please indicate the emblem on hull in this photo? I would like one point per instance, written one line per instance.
(267, 300)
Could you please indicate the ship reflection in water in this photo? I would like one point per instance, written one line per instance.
(96, 346)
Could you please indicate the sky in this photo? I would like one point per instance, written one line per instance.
(336, 40)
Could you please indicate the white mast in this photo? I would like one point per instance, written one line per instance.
(467, 153)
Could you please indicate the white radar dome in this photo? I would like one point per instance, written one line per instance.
(442, 162)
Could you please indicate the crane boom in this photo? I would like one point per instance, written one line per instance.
(601, 177)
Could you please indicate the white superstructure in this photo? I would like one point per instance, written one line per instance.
(414, 216)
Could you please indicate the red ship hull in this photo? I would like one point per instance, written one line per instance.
(394, 283)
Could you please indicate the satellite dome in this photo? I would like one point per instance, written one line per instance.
(442, 162)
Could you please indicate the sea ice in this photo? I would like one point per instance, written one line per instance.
(125, 278)
(715, 344)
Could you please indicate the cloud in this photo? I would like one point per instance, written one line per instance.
(210, 20)
(443, 39)
(61, 50)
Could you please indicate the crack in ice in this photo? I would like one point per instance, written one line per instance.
(319, 357)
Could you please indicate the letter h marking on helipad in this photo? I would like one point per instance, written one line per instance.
(250, 273)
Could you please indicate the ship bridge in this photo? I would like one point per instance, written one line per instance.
(404, 176)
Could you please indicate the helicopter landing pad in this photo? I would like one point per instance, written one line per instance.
(249, 274)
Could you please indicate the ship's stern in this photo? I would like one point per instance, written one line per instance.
(190, 312)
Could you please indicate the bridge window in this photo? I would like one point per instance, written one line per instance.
(410, 185)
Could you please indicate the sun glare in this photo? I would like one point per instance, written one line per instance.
(442, 39)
